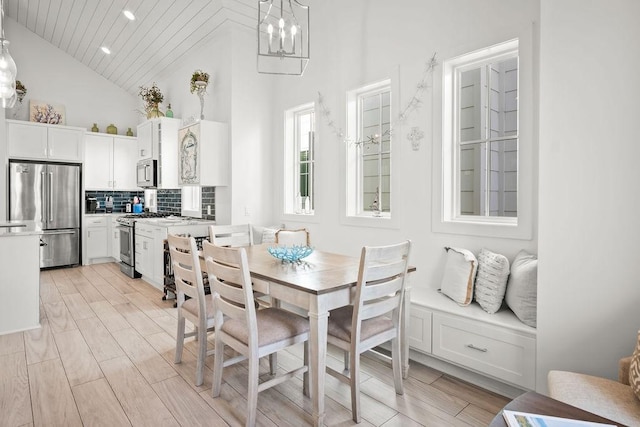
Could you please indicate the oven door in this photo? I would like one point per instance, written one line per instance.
(126, 244)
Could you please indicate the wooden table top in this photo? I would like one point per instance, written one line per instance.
(319, 273)
(535, 403)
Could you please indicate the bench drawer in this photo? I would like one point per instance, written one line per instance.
(489, 349)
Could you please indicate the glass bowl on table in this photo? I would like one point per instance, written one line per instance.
(293, 253)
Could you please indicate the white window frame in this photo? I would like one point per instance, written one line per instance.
(446, 216)
(292, 163)
(354, 214)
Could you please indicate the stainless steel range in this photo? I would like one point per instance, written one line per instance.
(126, 225)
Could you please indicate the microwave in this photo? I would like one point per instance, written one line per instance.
(147, 173)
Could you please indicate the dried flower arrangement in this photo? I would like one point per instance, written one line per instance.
(152, 96)
(198, 76)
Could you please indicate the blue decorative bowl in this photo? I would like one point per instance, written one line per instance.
(290, 253)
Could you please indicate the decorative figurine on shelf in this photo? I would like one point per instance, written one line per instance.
(152, 96)
(129, 132)
(199, 83)
(21, 91)
(95, 128)
(169, 112)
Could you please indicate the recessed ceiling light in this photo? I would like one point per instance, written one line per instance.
(130, 16)
(106, 50)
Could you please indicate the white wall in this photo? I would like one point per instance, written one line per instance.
(588, 289)
(368, 41)
(52, 76)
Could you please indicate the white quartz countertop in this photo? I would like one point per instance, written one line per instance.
(19, 228)
(172, 221)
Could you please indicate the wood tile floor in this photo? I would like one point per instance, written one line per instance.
(104, 356)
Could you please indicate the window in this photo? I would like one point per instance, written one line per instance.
(480, 136)
(299, 160)
(369, 151)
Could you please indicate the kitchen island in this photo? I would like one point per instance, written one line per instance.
(19, 276)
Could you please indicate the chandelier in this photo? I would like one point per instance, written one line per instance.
(283, 37)
(8, 69)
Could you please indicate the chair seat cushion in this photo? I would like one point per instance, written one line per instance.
(274, 324)
(340, 324)
(601, 396)
(191, 305)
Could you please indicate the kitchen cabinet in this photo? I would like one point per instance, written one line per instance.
(110, 162)
(203, 151)
(96, 238)
(149, 247)
(27, 140)
(114, 232)
(158, 140)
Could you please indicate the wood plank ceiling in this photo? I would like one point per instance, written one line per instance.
(163, 32)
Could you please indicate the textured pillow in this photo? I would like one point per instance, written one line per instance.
(459, 275)
(522, 288)
(491, 282)
(634, 369)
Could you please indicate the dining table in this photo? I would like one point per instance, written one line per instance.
(316, 284)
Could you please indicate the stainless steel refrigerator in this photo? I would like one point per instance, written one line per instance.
(48, 193)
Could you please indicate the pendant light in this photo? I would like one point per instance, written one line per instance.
(283, 37)
(8, 69)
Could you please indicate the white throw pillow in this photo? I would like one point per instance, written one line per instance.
(491, 281)
(459, 275)
(522, 288)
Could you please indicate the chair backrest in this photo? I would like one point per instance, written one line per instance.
(380, 287)
(230, 283)
(231, 235)
(186, 269)
(292, 237)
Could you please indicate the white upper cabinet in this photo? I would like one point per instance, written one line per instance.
(110, 162)
(26, 140)
(203, 150)
(158, 139)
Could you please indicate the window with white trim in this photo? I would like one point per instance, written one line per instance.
(369, 151)
(299, 160)
(480, 136)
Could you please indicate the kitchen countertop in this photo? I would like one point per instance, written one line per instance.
(171, 221)
(19, 228)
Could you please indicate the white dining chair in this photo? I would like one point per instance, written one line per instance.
(374, 317)
(231, 235)
(250, 332)
(192, 303)
(298, 237)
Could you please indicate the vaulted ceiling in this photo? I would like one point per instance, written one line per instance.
(161, 35)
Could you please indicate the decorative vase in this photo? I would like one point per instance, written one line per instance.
(154, 112)
(168, 113)
(112, 129)
(129, 132)
(95, 128)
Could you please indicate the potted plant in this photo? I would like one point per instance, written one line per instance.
(21, 90)
(152, 96)
(199, 79)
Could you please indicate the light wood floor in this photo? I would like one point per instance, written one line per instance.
(104, 356)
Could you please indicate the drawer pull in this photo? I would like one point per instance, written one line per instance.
(473, 347)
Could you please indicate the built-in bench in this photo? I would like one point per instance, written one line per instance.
(496, 351)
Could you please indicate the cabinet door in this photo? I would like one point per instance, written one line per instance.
(65, 144)
(97, 242)
(98, 173)
(114, 232)
(124, 163)
(159, 236)
(144, 260)
(26, 140)
(145, 140)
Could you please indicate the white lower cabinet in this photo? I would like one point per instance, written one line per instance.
(495, 345)
(96, 238)
(114, 232)
(149, 248)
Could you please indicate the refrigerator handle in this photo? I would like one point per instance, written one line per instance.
(50, 196)
(43, 196)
